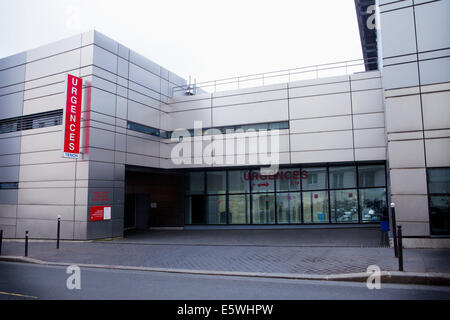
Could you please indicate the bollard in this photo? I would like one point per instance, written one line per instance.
(58, 232)
(394, 229)
(1, 241)
(26, 243)
(400, 248)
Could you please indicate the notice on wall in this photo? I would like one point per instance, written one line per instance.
(100, 213)
(72, 117)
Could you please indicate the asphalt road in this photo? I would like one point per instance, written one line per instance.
(29, 281)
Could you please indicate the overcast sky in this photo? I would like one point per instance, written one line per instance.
(206, 39)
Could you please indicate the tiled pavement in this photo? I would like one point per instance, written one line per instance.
(274, 251)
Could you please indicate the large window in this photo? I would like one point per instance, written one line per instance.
(216, 182)
(289, 208)
(344, 205)
(315, 207)
(196, 182)
(263, 208)
(216, 210)
(238, 181)
(439, 200)
(372, 192)
(295, 195)
(373, 204)
(239, 209)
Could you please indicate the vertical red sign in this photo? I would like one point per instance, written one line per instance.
(72, 117)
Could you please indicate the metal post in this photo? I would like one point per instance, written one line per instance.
(394, 229)
(58, 232)
(26, 243)
(1, 241)
(400, 249)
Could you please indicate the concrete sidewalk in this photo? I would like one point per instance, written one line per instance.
(260, 251)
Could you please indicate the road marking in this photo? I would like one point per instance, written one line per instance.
(17, 295)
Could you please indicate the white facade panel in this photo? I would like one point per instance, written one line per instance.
(321, 124)
(251, 113)
(60, 63)
(400, 76)
(408, 181)
(366, 121)
(186, 119)
(367, 138)
(433, 26)
(406, 154)
(400, 39)
(321, 156)
(320, 106)
(436, 110)
(367, 101)
(403, 114)
(438, 152)
(322, 140)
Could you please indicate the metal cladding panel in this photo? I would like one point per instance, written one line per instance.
(12, 75)
(60, 63)
(11, 105)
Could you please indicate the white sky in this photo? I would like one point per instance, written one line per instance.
(206, 39)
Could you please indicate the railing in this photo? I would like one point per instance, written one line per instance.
(280, 76)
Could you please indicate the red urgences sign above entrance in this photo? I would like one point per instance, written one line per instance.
(72, 117)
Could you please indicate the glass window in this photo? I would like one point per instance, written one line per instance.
(196, 182)
(289, 208)
(314, 178)
(440, 215)
(216, 181)
(288, 179)
(239, 209)
(372, 204)
(279, 125)
(261, 183)
(142, 128)
(439, 189)
(238, 181)
(344, 206)
(315, 207)
(255, 126)
(439, 180)
(342, 177)
(263, 208)
(8, 126)
(372, 176)
(9, 185)
(216, 210)
(195, 209)
(188, 210)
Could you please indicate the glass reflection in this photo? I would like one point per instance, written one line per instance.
(372, 204)
(315, 207)
(263, 208)
(344, 206)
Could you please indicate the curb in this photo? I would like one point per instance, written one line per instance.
(397, 277)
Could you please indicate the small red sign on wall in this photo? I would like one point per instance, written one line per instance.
(316, 196)
(100, 213)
